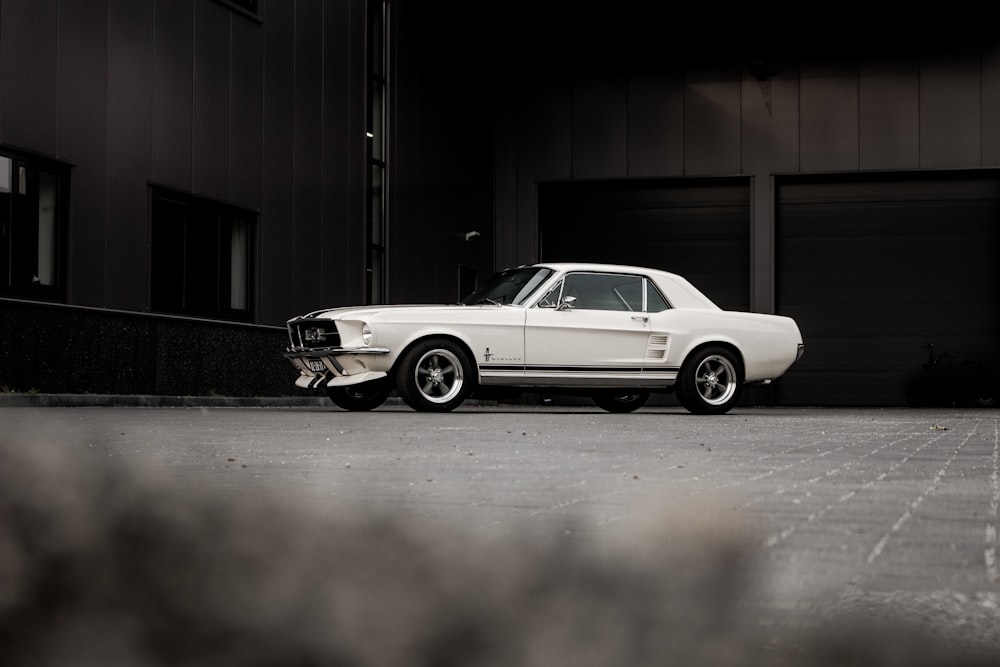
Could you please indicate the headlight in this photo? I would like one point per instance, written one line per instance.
(367, 335)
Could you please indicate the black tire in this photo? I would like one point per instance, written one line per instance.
(710, 381)
(360, 397)
(622, 401)
(984, 398)
(434, 376)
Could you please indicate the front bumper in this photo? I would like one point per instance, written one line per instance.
(334, 366)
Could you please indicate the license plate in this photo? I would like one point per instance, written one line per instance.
(316, 365)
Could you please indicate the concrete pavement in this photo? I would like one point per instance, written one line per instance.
(881, 509)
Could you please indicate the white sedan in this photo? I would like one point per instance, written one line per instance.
(616, 333)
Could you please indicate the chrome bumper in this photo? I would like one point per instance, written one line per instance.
(340, 366)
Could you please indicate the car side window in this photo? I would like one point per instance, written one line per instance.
(604, 291)
(655, 303)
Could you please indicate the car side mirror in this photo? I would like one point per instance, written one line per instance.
(567, 303)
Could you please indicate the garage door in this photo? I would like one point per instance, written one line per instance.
(876, 269)
(697, 228)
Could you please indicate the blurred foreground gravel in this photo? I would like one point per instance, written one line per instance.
(498, 536)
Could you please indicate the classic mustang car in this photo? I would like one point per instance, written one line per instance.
(616, 333)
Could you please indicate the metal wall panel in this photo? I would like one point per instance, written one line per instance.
(875, 267)
(278, 296)
(173, 67)
(28, 66)
(599, 123)
(342, 140)
(506, 225)
(889, 114)
(83, 137)
(307, 124)
(712, 121)
(950, 111)
(130, 61)
(769, 113)
(655, 125)
(210, 113)
(829, 116)
(543, 153)
(246, 112)
(991, 104)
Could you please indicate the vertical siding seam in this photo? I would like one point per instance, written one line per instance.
(347, 269)
(152, 162)
(739, 134)
(920, 97)
(261, 226)
(152, 107)
(229, 119)
(627, 116)
(194, 84)
(981, 110)
(58, 32)
(683, 122)
(857, 104)
(322, 147)
(107, 153)
(292, 197)
(572, 142)
(798, 122)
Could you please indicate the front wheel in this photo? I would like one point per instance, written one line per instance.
(434, 376)
(628, 401)
(710, 381)
(360, 397)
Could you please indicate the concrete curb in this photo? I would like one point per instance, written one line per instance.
(150, 401)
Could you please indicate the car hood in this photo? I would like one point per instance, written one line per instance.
(376, 312)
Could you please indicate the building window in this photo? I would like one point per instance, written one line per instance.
(202, 257)
(33, 206)
(378, 80)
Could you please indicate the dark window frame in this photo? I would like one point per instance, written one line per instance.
(24, 191)
(202, 230)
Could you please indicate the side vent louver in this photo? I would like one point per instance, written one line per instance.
(657, 347)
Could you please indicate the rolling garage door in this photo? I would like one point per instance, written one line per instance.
(697, 228)
(876, 268)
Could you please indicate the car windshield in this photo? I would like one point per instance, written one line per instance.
(510, 287)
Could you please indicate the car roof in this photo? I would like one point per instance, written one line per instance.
(679, 291)
(596, 266)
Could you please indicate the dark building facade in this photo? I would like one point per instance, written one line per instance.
(178, 178)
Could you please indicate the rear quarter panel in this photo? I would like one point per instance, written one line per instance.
(768, 344)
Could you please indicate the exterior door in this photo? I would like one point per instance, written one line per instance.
(590, 326)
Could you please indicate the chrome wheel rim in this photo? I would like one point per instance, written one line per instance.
(439, 376)
(715, 379)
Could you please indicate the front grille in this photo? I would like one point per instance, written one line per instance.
(313, 333)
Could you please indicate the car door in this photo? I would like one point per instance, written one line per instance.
(588, 327)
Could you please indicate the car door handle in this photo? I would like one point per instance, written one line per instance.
(640, 318)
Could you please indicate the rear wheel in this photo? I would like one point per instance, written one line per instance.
(434, 376)
(710, 381)
(623, 401)
(984, 398)
(360, 397)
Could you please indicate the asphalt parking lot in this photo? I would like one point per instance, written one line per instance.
(893, 508)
